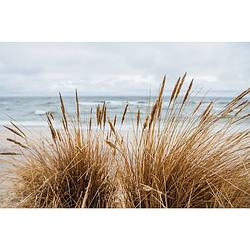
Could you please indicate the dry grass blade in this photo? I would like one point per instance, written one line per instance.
(14, 125)
(138, 117)
(14, 131)
(64, 117)
(162, 87)
(53, 131)
(173, 94)
(77, 108)
(193, 158)
(124, 113)
(180, 85)
(9, 153)
(156, 109)
(17, 143)
(111, 144)
(78, 132)
(104, 115)
(115, 119)
(111, 126)
(187, 93)
(98, 114)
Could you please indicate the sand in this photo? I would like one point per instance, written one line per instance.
(5, 185)
(6, 199)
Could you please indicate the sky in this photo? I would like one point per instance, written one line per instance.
(37, 69)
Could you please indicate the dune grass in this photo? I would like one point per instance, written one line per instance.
(172, 159)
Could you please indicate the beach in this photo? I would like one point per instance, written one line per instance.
(4, 165)
(5, 162)
(134, 145)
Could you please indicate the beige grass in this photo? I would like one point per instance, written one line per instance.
(166, 162)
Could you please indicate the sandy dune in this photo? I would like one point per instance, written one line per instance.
(5, 163)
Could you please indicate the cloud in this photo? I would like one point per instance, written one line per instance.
(120, 68)
(204, 78)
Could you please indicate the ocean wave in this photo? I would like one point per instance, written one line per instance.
(115, 102)
(4, 103)
(135, 103)
(130, 103)
(91, 103)
(26, 123)
(42, 112)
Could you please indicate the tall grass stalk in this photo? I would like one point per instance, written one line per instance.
(174, 158)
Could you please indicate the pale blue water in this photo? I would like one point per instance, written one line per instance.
(31, 111)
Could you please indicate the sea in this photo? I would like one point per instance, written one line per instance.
(31, 111)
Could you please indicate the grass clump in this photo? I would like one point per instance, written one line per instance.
(69, 169)
(174, 158)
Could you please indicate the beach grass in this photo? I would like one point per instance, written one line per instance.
(173, 158)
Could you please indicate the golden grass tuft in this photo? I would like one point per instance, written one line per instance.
(173, 159)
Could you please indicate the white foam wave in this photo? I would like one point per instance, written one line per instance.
(40, 112)
(90, 103)
(26, 123)
(4, 103)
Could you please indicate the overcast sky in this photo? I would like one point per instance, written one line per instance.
(120, 68)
